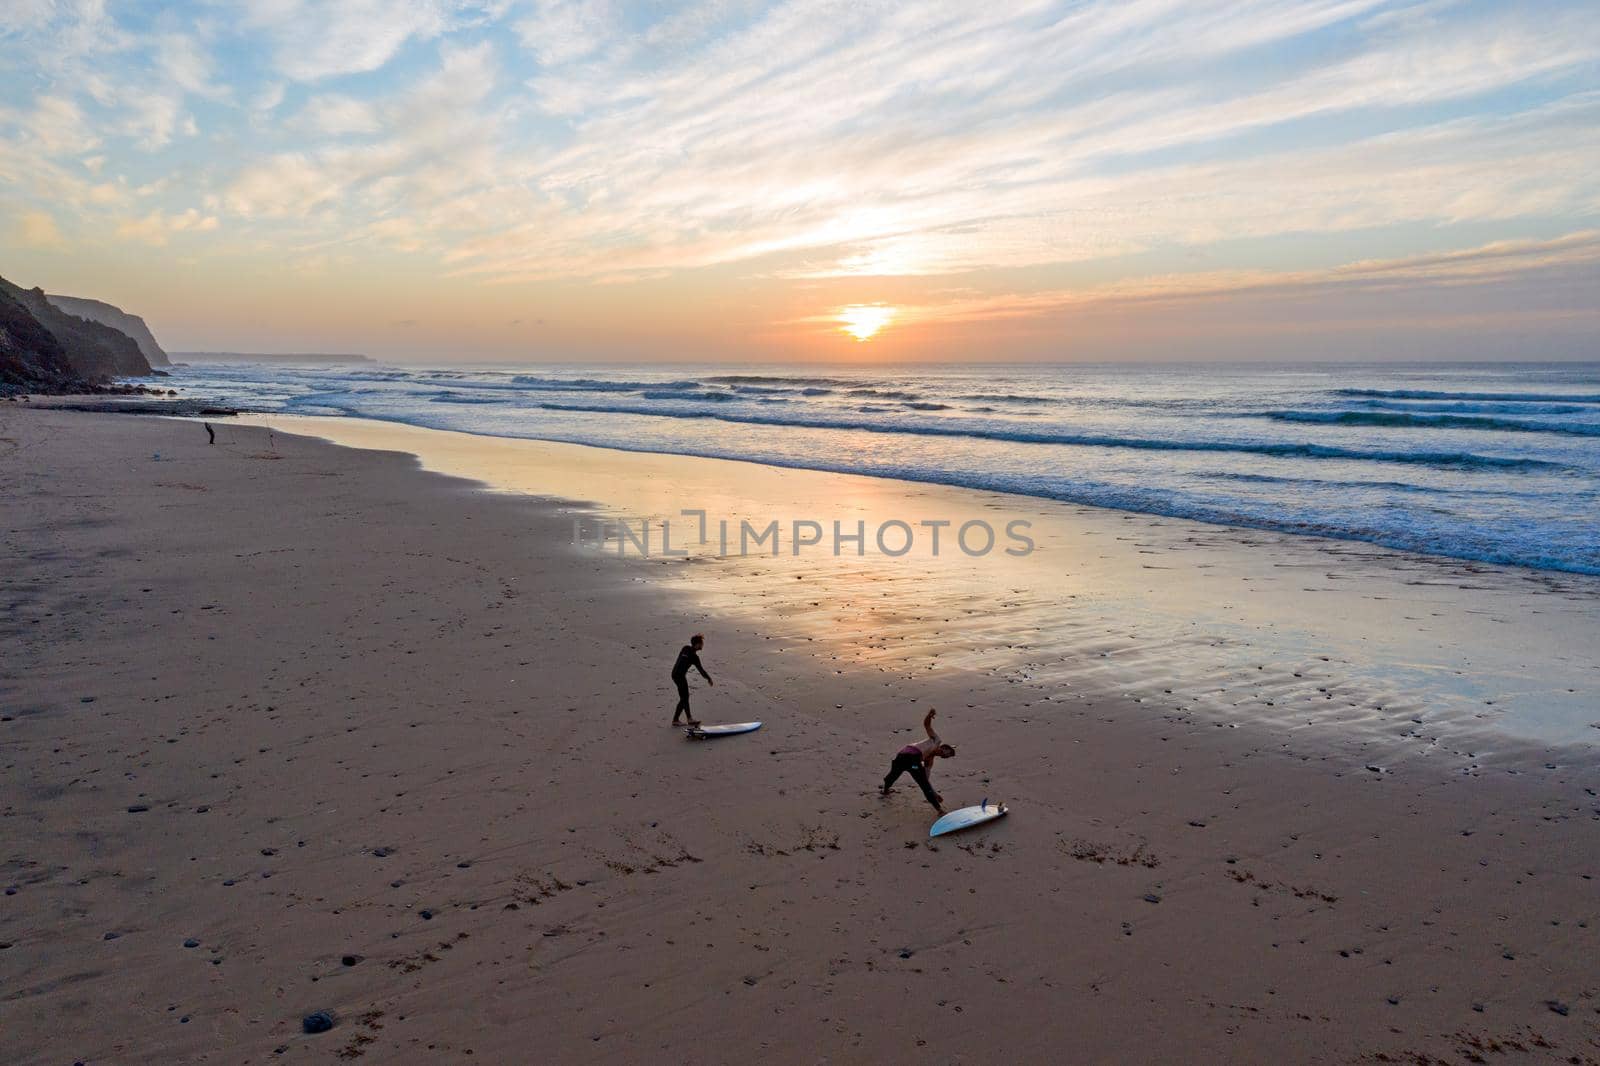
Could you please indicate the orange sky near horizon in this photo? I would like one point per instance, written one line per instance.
(554, 180)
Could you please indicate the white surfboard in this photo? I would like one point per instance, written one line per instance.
(967, 817)
(702, 732)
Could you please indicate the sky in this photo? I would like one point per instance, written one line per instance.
(554, 180)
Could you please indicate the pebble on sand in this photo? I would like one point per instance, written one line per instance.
(318, 1022)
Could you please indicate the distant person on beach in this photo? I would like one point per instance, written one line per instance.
(210, 433)
(917, 760)
(687, 657)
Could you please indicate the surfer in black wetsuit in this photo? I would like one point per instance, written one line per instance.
(689, 656)
(917, 760)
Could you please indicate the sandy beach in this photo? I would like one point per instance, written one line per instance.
(292, 727)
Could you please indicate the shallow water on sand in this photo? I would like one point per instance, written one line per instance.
(1495, 463)
(1315, 638)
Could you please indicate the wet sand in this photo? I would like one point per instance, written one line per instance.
(378, 742)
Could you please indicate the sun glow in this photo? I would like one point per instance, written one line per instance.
(862, 321)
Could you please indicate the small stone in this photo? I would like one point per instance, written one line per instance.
(350, 960)
(111, 936)
(427, 916)
(1394, 1001)
(138, 808)
(1557, 1007)
(1478, 1007)
(905, 953)
(1151, 897)
(191, 943)
(318, 1022)
(269, 852)
(1197, 824)
(463, 865)
(382, 853)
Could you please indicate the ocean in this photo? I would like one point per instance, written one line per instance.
(1494, 463)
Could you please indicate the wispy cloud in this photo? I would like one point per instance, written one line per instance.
(1518, 264)
(796, 146)
(35, 229)
(315, 39)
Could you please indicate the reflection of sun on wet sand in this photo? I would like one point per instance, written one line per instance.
(380, 744)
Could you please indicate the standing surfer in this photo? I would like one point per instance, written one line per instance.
(917, 760)
(687, 657)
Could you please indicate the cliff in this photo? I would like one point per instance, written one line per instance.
(95, 352)
(31, 359)
(118, 319)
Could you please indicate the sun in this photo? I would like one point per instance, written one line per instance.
(862, 321)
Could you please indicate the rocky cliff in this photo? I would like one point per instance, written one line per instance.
(95, 352)
(118, 319)
(31, 359)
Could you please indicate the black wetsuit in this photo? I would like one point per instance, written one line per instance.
(680, 676)
(909, 761)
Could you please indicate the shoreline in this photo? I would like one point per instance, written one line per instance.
(1203, 562)
(434, 669)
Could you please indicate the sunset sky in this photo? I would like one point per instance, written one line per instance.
(548, 181)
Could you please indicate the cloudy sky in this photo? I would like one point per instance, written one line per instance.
(545, 179)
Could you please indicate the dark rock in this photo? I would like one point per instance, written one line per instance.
(138, 808)
(111, 936)
(318, 1022)
(127, 324)
(906, 953)
(350, 960)
(382, 853)
(191, 943)
(1151, 897)
(1557, 1007)
(46, 349)
(427, 916)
